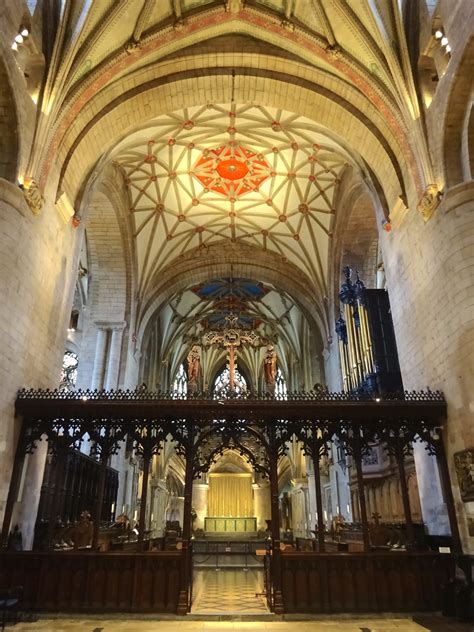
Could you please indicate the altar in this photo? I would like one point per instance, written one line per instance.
(230, 506)
(247, 524)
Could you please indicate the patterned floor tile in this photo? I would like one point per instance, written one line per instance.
(228, 591)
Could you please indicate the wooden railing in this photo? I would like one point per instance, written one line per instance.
(357, 582)
(94, 582)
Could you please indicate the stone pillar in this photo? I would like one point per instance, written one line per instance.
(113, 362)
(261, 504)
(200, 493)
(38, 269)
(435, 514)
(99, 359)
(158, 510)
(299, 509)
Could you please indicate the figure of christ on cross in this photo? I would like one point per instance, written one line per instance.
(231, 337)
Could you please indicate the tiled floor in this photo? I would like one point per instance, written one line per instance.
(228, 591)
(333, 624)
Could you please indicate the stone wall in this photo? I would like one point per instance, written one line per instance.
(37, 264)
(429, 271)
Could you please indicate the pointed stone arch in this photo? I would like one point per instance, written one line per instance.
(458, 127)
(9, 145)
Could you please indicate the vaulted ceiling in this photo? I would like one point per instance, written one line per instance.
(272, 314)
(231, 173)
(231, 124)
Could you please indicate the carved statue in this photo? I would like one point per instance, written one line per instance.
(194, 367)
(464, 462)
(270, 367)
(338, 522)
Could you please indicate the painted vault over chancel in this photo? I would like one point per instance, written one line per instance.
(231, 173)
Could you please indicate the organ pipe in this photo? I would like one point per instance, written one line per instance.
(353, 331)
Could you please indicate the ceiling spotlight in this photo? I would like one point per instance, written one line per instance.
(444, 41)
(24, 31)
(438, 34)
(19, 38)
(14, 46)
(448, 48)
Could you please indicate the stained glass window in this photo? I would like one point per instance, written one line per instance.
(280, 384)
(180, 384)
(69, 371)
(222, 383)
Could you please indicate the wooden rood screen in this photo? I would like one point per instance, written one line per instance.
(259, 427)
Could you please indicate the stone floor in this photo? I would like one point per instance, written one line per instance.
(228, 591)
(330, 624)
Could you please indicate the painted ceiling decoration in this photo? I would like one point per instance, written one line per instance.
(232, 170)
(243, 289)
(235, 173)
(231, 296)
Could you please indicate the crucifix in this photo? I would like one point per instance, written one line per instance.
(231, 337)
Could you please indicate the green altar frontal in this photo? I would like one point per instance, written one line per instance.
(230, 525)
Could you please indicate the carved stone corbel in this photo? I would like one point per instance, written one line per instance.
(288, 25)
(334, 51)
(132, 46)
(33, 196)
(429, 202)
(234, 6)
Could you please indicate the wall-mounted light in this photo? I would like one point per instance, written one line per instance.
(448, 48)
(438, 34)
(23, 33)
(444, 41)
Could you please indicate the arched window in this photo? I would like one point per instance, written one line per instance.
(280, 384)
(69, 371)
(180, 384)
(222, 382)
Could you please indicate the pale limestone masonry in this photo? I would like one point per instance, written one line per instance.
(429, 271)
(36, 282)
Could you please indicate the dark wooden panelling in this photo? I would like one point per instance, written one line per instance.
(99, 582)
(149, 582)
(356, 582)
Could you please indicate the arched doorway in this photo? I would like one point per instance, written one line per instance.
(231, 503)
